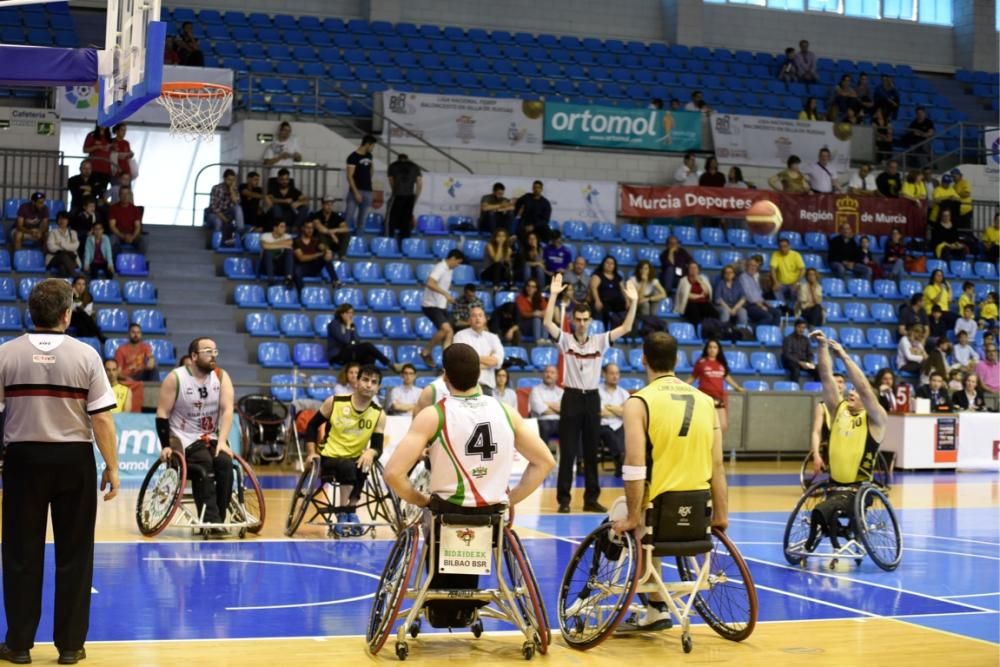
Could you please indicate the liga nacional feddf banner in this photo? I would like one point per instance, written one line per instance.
(768, 142)
(455, 121)
(615, 127)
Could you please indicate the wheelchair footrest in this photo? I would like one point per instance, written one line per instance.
(632, 625)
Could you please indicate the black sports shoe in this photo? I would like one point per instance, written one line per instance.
(72, 657)
(17, 657)
(563, 508)
(594, 506)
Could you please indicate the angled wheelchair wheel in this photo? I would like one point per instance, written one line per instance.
(597, 587)
(797, 528)
(420, 477)
(250, 495)
(529, 600)
(877, 527)
(160, 495)
(379, 501)
(806, 475)
(392, 588)
(305, 487)
(729, 606)
(882, 475)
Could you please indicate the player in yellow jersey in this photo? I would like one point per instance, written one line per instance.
(679, 427)
(123, 395)
(354, 437)
(857, 427)
(820, 437)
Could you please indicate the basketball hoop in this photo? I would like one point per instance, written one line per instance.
(195, 108)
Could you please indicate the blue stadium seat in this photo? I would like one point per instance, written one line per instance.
(163, 351)
(852, 337)
(738, 362)
(239, 268)
(351, 295)
(814, 261)
(513, 352)
(274, 355)
(986, 270)
(816, 241)
(528, 382)
(130, 264)
(424, 328)
(765, 363)
(8, 291)
(92, 342)
(756, 385)
(235, 247)
(813, 387)
(281, 387)
(261, 324)
(357, 247)
(684, 365)
(623, 254)
(409, 300)
(574, 230)
(683, 332)
(615, 355)
(908, 288)
(474, 250)
(885, 289)
(368, 273)
(594, 253)
(786, 385)
(543, 356)
(367, 327)
(833, 287)
(249, 296)
(251, 242)
(794, 239)
(10, 318)
(410, 354)
(316, 298)
(961, 269)
(857, 312)
(631, 384)
(874, 363)
(658, 234)
(441, 247)
(834, 312)
(707, 259)
(397, 327)
(112, 320)
(320, 323)
(635, 359)
(310, 355)
(432, 225)
(415, 248)
(399, 273)
(713, 236)
(382, 300)
(883, 312)
(464, 275)
(29, 260)
(24, 287)
(151, 320)
(765, 241)
(385, 247)
(860, 288)
(688, 236)
(111, 345)
(281, 298)
(296, 325)
(105, 291)
(769, 335)
(936, 264)
(631, 233)
(739, 238)
(881, 338)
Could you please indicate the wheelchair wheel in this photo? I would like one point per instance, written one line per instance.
(597, 587)
(380, 502)
(877, 527)
(729, 606)
(806, 476)
(160, 495)
(251, 496)
(799, 522)
(530, 600)
(881, 475)
(305, 487)
(392, 588)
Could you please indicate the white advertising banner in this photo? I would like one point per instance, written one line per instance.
(768, 142)
(460, 194)
(454, 121)
(31, 129)
(991, 139)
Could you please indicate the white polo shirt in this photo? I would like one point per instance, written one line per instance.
(402, 394)
(484, 343)
(608, 397)
(822, 179)
(540, 396)
(442, 276)
(582, 361)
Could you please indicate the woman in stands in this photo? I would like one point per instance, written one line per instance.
(674, 262)
(500, 263)
(938, 360)
(347, 379)
(97, 146)
(894, 262)
(343, 345)
(868, 257)
(530, 311)
(729, 297)
(712, 373)
(607, 293)
(938, 293)
(946, 242)
(648, 288)
(810, 110)
(910, 353)
(503, 392)
(712, 177)
(734, 179)
(809, 305)
(884, 384)
(82, 318)
(97, 259)
(529, 262)
(913, 187)
(883, 134)
(971, 397)
(121, 153)
(694, 296)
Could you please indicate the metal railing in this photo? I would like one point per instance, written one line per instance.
(967, 151)
(25, 171)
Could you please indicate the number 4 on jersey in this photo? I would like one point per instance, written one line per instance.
(481, 442)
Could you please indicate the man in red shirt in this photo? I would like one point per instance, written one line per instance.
(32, 223)
(125, 223)
(136, 363)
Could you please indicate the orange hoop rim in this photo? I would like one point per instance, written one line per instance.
(186, 89)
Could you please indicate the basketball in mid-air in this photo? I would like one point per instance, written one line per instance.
(764, 217)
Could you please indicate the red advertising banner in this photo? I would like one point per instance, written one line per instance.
(802, 213)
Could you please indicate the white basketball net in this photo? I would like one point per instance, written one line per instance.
(195, 112)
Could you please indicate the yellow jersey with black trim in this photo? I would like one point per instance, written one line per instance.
(121, 393)
(679, 436)
(852, 448)
(349, 429)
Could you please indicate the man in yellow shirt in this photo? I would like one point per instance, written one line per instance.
(964, 190)
(991, 240)
(123, 395)
(945, 196)
(787, 269)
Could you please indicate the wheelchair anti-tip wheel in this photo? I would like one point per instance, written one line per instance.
(160, 495)
(597, 587)
(248, 496)
(524, 587)
(877, 527)
(729, 606)
(305, 487)
(391, 589)
(799, 522)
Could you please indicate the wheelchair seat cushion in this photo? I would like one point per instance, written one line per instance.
(680, 522)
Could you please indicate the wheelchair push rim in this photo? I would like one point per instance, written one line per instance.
(160, 495)
(729, 606)
(799, 522)
(380, 502)
(591, 569)
(251, 497)
(305, 487)
(877, 527)
(392, 588)
(522, 577)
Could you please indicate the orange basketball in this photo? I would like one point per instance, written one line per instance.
(764, 217)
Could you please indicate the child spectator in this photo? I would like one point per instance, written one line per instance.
(967, 322)
(557, 256)
(965, 355)
(988, 313)
(968, 297)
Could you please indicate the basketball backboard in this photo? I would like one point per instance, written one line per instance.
(131, 64)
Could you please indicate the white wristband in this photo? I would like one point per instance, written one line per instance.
(633, 473)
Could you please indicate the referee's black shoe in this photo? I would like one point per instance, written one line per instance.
(594, 506)
(72, 657)
(564, 508)
(17, 657)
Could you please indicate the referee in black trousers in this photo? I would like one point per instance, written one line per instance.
(57, 401)
(580, 410)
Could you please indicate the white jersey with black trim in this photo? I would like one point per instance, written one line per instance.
(472, 453)
(195, 415)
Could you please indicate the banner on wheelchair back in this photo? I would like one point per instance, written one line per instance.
(139, 446)
(465, 549)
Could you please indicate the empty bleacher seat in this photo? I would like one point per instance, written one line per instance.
(786, 385)
(833, 287)
(397, 327)
(874, 363)
(415, 248)
(10, 318)
(368, 273)
(151, 320)
(316, 298)
(320, 323)
(310, 355)
(616, 356)
(424, 328)
(357, 247)
(281, 298)
(860, 288)
(274, 355)
(908, 288)
(769, 335)
(713, 236)
(756, 385)
(105, 291)
(29, 260)
(852, 337)
(399, 273)
(139, 292)
(282, 387)
(683, 332)
(295, 325)
(543, 356)
(857, 312)
(367, 327)
(163, 351)
(111, 345)
(385, 247)
(885, 289)
(131, 264)
(986, 270)
(239, 268)
(739, 238)
(261, 324)
(766, 363)
(250, 296)
(7, 290)
(382, 300)
(431, 225)
(881, 338)
(112, 320)
(24, 287)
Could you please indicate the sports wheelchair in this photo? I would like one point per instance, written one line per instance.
(607, 570)
(165, 498)
(881, 474)
(264, 426)
(858, 520)
(378, 503)
(450, 600)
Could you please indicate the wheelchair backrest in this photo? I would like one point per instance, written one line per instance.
(679, 523)
(262, 409)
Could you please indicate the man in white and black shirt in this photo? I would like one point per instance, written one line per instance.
(57, 401)
(613, 399)
(822, 175)
(544, 404)
(402, 399)
(434, 303)
(580, 412)
(486, 344)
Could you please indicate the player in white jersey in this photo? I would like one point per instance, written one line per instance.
(193, 418)
(472, 439)
(431, 394)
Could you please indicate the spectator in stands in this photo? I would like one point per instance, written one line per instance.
(544, 404)
(734, 179)
(729, 299)
(496, 211)
(887, 98)
(577, 279)
(82, 318)
(955, 381)
(965, 355)
(283, 151)
(889, 182)
(343, 345)
(883, 134)
(936, 392)
(486, 344)
(61, 248)
(435, 300)
(464, 304)
(647, 287)
(674, 261)
(534, 212)
(920, 129)
(844, 255)
(123, 395)
(500, 259)
(503, 391)
(790, 180)
(251, 202)
(697, 103)
(757, 308)
(125, 223)
(967, 297)
(988, 313)
(312, 255)
(675, 104)
(797, 354)
(83, 185)
(97, 146)
(403, 398)
(712, 373)
(170, 54)
(884, 384)
(822, 176)
(224, 211)
(894, 261)
(842, 97)
(787, 71)
(97, 255)
(556, 256)
(694, 296)
(122, 155)
(937, 326)
(967, 321)
(331, 225)
(805, 64)
(285, 202)
(971, 397)
(809, 301)
(930, 183)
(656, 103)
(911, 314)
(964, 191)
(866, 97)
(529, 262)
(135, 358)
(945, 239)
(83, 221)
(188, 47)
(910, 352)
(613, 398)
(852, 117)
(607, 293)
(276, 249)
(988, 339)
(359, 183)
(687, 173)
(868, 257)
(913, 188)
(937, 292)
(989, 242)
(945, 198)
(810, 110)
(530, 310)
(712, 177)
(862, 182)
(988, 370)
(787, 269)
(32, 222)
(405, 184)
(114, 192)
(347, 379)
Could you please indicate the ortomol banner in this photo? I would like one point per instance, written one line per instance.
(614, 127)
(455, 121)
(769, 142)
(801, 213)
